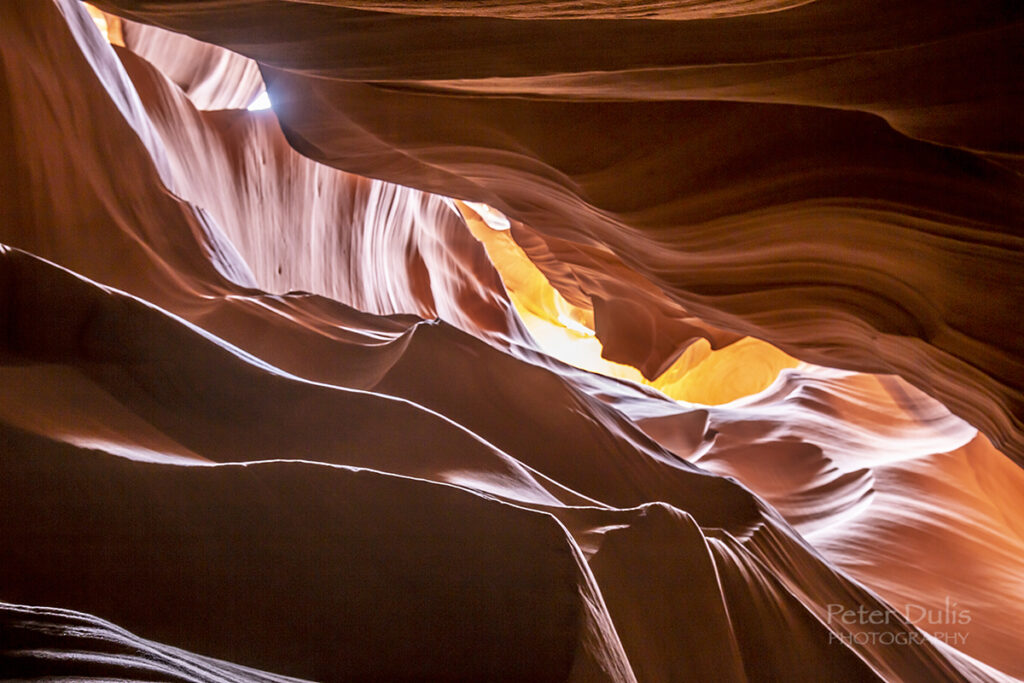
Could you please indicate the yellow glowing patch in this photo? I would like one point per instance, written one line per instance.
(108, 24)
(565, 331)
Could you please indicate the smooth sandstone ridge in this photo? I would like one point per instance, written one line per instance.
(837, 178)
(519, 341)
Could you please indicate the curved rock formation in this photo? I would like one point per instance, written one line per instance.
(517, 418)
(854, 178)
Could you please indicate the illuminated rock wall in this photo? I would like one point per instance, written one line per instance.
(262, 417)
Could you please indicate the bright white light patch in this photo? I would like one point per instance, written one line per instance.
(261, 102)
(576, 327)
(495, 219)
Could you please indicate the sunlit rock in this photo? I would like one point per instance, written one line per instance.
(592, 341)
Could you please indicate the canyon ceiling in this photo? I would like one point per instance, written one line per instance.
(539, 340)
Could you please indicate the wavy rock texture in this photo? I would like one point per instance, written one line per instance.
(566, 9)
(264, 419)
(212, 78)
(818, 177)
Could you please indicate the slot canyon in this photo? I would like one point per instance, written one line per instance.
(622, 341)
